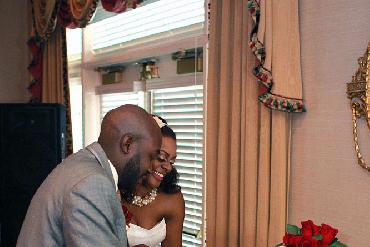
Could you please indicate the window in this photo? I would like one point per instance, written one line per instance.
(154, 31)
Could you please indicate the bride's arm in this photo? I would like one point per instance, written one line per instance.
(174, 221)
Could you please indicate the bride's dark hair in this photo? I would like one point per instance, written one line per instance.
(169, 183)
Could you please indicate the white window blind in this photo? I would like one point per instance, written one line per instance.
(114, 100)
(183, 110)
(164, 17)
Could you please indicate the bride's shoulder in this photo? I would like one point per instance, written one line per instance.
(172, 197)
(172, 202)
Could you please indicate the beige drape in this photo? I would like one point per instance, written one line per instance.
(247, 144)
(55, 87)
(53, 83)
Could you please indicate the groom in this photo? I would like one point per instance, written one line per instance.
(76, 205)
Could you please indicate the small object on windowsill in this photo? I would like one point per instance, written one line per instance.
(149, 71)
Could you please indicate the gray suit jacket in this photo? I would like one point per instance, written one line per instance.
(76, 205)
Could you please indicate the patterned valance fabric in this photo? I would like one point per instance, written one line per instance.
(44, 16)
(65, 18)
(116, 6)
(82, 11)
(119, 6)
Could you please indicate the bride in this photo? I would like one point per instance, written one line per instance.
(155, 214)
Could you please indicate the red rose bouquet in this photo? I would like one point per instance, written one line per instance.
(311, 235)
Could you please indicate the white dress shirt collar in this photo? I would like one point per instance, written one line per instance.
(115, 174)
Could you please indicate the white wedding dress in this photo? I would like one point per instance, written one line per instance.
(137, 235)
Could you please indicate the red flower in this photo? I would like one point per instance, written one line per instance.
(309, 242)
(128, 214)
(328, 234)
(309, 229)
(292, 240)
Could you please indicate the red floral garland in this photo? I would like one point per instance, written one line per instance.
(35, 68)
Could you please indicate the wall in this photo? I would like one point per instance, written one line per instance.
(13, 51)
(327, 185)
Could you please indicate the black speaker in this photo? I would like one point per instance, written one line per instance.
(32, 143)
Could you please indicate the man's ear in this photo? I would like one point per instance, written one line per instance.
(127, 141)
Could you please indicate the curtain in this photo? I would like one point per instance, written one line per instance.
(55, 87)
(48, 48)
(48, 66)
(43, 19)
(247, 144)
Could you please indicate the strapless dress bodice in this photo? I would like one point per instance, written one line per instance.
(150, 237)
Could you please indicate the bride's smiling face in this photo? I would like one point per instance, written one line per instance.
(163, 164)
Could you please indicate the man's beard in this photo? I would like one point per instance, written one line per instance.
(129, 177)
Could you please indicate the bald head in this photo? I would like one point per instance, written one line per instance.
(128, 131)
(127, 119)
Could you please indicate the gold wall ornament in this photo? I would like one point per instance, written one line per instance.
(358, 91)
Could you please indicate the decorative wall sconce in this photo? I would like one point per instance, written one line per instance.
(358, 91)
(149, 70)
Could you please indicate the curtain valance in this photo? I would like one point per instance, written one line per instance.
(275, 42)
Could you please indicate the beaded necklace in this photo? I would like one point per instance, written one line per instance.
(143, 201)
